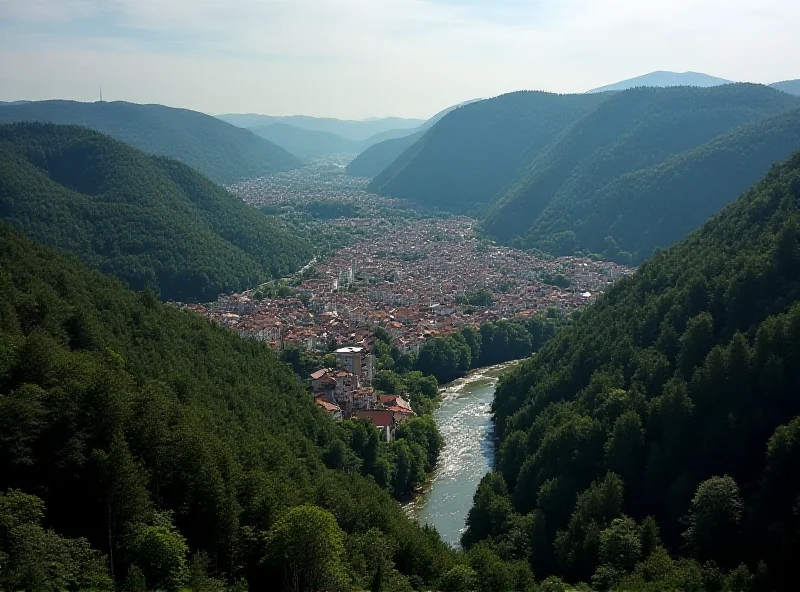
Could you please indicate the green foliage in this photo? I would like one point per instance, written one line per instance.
(116, 409)
(481, 298)
(452, 356)
(683, 372)
(644, 168)
(306, 546)
(33, 558)
(476, 150)
(149, 221)
(714, 520)
(460, 578)
(161, 553)
(222, 152)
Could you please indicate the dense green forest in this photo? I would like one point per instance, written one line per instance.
(617, 174)
(632, 130)
(149, 445)
(221, 151)
(376, 158)
(476, 150)
(144, 219)
(636, 213)
(653, 444)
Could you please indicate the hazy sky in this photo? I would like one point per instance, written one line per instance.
(362, 58)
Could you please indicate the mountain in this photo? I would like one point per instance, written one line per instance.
(354, 130)
(632, 130)
(165, 447)
(789, 86)
(664, 418)
(380, 155)
(663, 78)
(376, 158)
(659, 205)
(147, 220)
(474, 151)
(307, 143)
(222, 152)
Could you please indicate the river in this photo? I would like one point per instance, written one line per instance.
(464, 420)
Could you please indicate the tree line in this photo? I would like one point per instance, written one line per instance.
(648, 445)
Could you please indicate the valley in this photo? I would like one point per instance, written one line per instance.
(417, 273)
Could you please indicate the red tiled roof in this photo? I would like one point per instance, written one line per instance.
(329, 407)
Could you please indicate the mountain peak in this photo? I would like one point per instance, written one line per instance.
(664, 78)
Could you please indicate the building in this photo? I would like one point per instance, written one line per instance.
(358, 361)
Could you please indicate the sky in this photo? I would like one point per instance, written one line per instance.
(355, 59)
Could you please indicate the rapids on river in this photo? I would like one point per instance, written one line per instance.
(465, 422)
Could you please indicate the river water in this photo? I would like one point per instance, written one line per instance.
(464, 420)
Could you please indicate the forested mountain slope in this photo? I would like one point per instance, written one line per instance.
(657, 206)
(222, 152)
(380, 155)
(674, 397)
(476, 150)
(376, 158)
(632, 130)
(164, 440)
(144, 219)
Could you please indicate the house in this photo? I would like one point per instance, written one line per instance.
(331, 408)
(382, 419)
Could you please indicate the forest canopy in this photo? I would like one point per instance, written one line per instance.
(149, 445)
(648, 444)
(147, 220)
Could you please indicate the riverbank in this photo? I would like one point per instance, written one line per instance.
(463, 417)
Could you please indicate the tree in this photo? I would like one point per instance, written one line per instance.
(161, 552)
(32, 558)
(491, 573)
(306, 547)
(578, 547)
(460, 578)
(620, 544)
(714, 519)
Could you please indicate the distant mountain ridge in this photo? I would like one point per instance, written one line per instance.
(144, 219)
(566, 173)
(788, 86)
(352, 129)
(378, 156)
(221, 151)
(476, 150)
(664, 78)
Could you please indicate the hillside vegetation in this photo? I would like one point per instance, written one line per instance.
(162, 450)
(144, 219)
(222, 152)
(632, 130)
(655, 441)
(637, 213)
(476, 150)
(376, 158)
